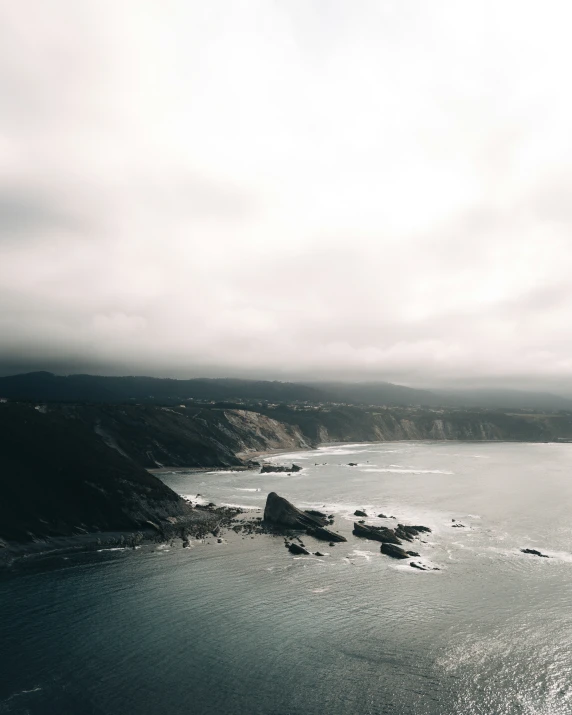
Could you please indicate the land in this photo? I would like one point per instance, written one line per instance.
(71, 469)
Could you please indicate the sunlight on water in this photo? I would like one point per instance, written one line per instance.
(245, 627)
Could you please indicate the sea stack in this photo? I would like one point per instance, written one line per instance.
(280, 512)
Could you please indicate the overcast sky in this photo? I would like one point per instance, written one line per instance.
(287, 188)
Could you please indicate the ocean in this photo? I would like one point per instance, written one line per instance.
(244, 627)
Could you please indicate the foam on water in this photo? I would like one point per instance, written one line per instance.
(393, 470)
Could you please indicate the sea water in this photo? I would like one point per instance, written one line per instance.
(245, 627)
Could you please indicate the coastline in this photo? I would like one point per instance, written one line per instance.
(189, 524)
(198, 523)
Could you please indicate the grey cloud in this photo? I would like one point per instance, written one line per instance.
(25, 215)
(270, 189)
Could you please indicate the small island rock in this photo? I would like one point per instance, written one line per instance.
(394, 551)
(298, 550)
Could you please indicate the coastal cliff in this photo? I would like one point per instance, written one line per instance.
(80, 468)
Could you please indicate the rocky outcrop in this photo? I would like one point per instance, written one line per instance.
(279, 468)
(298, 550)
(320, 532)
(534, 552)
(375, 533)
(280, 513)
(394, 551)
(359, 512)
(407, 533)
(59, 478)
(319, 514)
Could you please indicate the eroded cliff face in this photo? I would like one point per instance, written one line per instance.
(154, 436)
(349, 424)
(255, 432)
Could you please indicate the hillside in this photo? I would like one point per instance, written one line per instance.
(59, 478)
(47, 387)
(77, 468)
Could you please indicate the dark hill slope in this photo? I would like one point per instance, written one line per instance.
(57, 477)
(155, 436)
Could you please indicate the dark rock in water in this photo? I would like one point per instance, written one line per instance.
(413, 553)
(331, 543)
(394, 551)
(280, 468)
(319, 532)
(280, 512)
(298, 550)
(352, 464)
(359, 512)
(219, 541)
(409, 532)
(375, 533)
(331, 516)
(361, 521)
(458, 525)
(382, 516)
(534, 552)
(318, 553)
(417, 566)
(315, 512)
(403, 534)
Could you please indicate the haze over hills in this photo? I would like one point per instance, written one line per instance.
(45, 386)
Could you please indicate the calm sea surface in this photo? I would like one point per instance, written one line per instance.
(243, 627)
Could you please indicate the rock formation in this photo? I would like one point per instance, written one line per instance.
(280, 512)
(408, 532)
(298, 550)
(320, 532)
(280, 468)
(394, 551)
(375, 533)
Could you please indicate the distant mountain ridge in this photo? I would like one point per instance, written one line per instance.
(47, 387)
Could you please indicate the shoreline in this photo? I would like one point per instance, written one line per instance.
(169, 530)
(278, 451)
(199, 523)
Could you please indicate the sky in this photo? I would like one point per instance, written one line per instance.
(288, 189)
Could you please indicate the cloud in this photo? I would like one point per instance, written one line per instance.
(287, 189)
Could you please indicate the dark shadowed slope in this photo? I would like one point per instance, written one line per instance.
(57, 477)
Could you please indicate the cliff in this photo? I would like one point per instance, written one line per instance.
(58, 478)
(354, 424)
(70, 468)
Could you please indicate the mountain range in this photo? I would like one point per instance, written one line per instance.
(47, 387)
